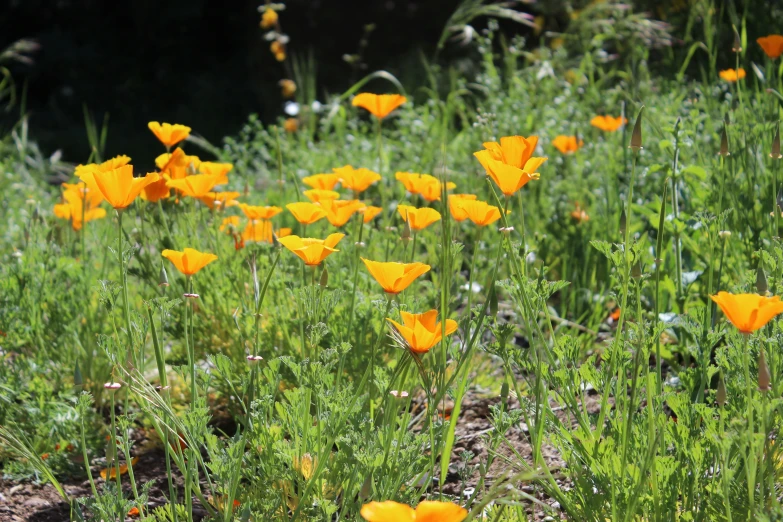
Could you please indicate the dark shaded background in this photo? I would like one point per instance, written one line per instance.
(203, 63)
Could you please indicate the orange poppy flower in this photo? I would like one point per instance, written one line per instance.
(422, 331)
(395, 277)
(283, 232)
(133, 512)
(196, 186)
(111, 472)
(338, 212)
(379, 105)
(357, 180)
(168, 134)
(608, 123)
(212, 168)
(578, 214)
(456, 209)
(106, 166)
(479, 212)
(370, 212)
(418, 218)
(258, 231)
(321, 181)
(414, 183)
(748, 312)
(287, 88)
(190, 261)
(311, 251)
(567, 144)
(154, 192)
(177, 165)
(257, 212)
(291, 125)
(432, 191)
(231, 221)
(269, 18)
(510, 163)
(731, 76)
(306, 213)
(318, 195)
(772, 45)
(120, 188)
(220, 199)
(426, 511)
(74, 211)
(89, 194)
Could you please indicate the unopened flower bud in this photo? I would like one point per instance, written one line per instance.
(724, 143)
(324, 278)
(720, 396)
(506, 230)
(775, 153)
(737, 47)
(406, 231)
(724, 234)
(636, 135)
(761, 280)
(253, 360)
(398, 394)
(163, 277)
(190, 296)
(112, 386)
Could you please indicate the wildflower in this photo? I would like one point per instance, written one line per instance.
(422, 331)
(212, 168)
(278, 49)
(90, 194)
(253, 360)
(724, 234)
(269, 18)
(197, 186)
(111, 472)
(168, 134)
(220, 199)
(418, 218)
(567, 144)
(231, 221)
(133, 512)
(357, 180)
(415, 183)
(287, 88)
(311, 251)
(177, 165)
(338, 212)
(306, 213)
(318, 195)
(291, 125)
(479, 212)
(83, 171)
(254, 212)
(578, 214)
(432, 191)
(321, 181)
(154, 192)
(119, 187)
(395, 277)
(379, 105)
(748, 312)
(456, 209)
(258, 231)
(77, 210)
(731, 76)
(306, 465)
(772, 45)
(608, 123)
(510, 163)
(426, 511)
(190, 261)
(370, 212)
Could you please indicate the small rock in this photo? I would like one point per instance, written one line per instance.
(36, 502)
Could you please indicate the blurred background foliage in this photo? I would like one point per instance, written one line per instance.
(206, 63)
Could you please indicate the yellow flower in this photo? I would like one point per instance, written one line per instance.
(269, 18)
(422, 331)
(177, 165)
(370, 212)
(748, 312)
(456, 209)
(196, 186)
(510, 163)
(318, 195)
(258, 231)
(120, 188)
(306, 213)
(190, 261)
(287, 88)
(357, 180)
(731, 76)
(608, 123)
(106, 166)
(567, 144)
(111, 472)
(321, 181)
(211, 168)
(311, 251)
(418, 218)
(74, 209)
(168, 134)
(395, 277)
(154, 192)
(220, 199)
(229, 223)
(291, 125)
(772, 45)
(479, 212)
(338, 212)
(90, 194)
(379, 105)
(578, 214)
(426, 511)
(432, 191)
(257, 212)
(428, 186)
